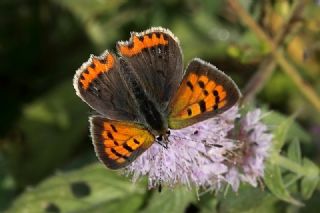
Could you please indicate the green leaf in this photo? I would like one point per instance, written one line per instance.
(175, 200)
(102, 20)
(91, 189)
(291, 182)
(243, 201)
(7, 191)
(280, 134)
(85, 9)
(310, 181)
(52, 126)
(280, 131)
(295, 131)
(294, 151)
(275, 184)
(208, 204)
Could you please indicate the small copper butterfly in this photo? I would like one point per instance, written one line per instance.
(144, 91)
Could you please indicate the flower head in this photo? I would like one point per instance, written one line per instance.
(253, 143)
(205, 156)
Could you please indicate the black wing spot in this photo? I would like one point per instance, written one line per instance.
(118, 154)
(201, 84)
(113, 128)
(205, 92)
(127, 147)
(189, 111)
(189, 84)
(136, 141)
(141, 38)
(92, 65)
(130, 45)
(110, 135)
(158, 34)
(215, 107)
(86, 71)
(202, 106)
(217, 99)
(215, 93)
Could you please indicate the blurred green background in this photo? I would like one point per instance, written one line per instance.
(44, 128)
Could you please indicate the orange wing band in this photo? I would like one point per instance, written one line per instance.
(121, 140)
(196, 95)
(137, 44)
(96, 67)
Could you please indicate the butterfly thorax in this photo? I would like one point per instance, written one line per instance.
(152, 116)
(149, 112)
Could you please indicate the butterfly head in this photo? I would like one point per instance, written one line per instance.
(163, 139)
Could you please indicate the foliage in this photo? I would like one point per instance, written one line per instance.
(47, 163)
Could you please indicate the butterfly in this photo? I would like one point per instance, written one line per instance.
(144, 91)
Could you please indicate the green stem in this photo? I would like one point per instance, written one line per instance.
(310, 94)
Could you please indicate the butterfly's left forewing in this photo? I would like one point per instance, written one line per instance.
(204, 92)
(118, 143)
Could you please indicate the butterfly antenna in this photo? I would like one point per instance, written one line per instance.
(228, 152)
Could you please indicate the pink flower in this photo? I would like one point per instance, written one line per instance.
(205, 156)
(253, 145)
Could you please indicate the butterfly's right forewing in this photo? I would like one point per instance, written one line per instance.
(156, 59)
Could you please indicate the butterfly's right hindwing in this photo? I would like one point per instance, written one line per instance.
(204, 92)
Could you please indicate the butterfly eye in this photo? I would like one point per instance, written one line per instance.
(168, 132)
(159, 138)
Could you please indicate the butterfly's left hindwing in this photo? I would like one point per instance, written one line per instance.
(204, 92)
(118, 143)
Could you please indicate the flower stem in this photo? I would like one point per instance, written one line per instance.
(267, 66)
(258, 80)
(290, 70)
